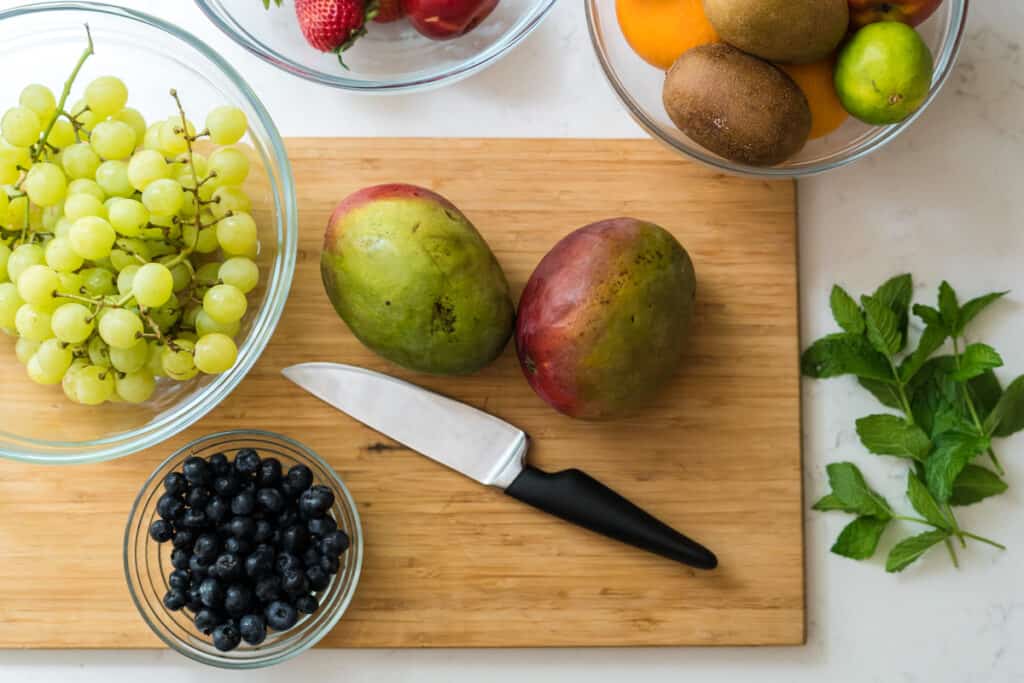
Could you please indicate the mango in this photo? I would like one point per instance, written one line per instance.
(604, 318)
(415, 281)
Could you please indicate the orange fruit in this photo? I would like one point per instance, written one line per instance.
(817, 82)
(661, 30)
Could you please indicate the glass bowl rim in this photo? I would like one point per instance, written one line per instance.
(344, 497)
(182, 416)
(434, 79)
(945, 62)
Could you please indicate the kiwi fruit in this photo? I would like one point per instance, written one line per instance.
(737, 106)
(789, 31)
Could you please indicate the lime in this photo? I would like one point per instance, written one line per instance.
(884, 73)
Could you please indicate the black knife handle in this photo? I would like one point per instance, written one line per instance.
(579, 498)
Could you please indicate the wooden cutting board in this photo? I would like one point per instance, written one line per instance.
(450, 563)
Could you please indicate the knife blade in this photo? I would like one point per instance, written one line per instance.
(489, 451)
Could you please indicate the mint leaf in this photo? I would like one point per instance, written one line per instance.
(850, 489)
(859, 539)
(924, 503)
(976, 359)
(953, 450)
(895, 294)
(932, 339)
(930, 316)
(883, 326)
(975, 484)
(885, 392)
(985, 392)
(933, 393)
(1007, 417)
(893, 435)
(830, 503)
(972, 308)
(949, 308)
(909, 550)
(846, 311)
(844, 354)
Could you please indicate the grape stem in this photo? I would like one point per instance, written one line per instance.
(189, 248)
(156, 334)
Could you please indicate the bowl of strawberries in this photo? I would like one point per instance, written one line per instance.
(378, 46)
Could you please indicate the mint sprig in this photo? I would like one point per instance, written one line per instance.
(950, 408)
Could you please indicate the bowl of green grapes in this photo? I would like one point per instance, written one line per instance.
(147, 231)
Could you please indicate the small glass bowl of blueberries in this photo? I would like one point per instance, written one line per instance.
(243, 549)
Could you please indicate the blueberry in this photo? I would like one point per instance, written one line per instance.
(300, 478)
(244, 503)
(226, 637)
(294, 539)
(217, 510)
(227, 567)
(316, 502)
(193, 599)
(211, 593)
(161, 531)
(335, 543)
(281, 616)
(260, 563)
(307, 604)
(264, 531)
(330, 564)
(206, 548)
(175, 599)
(321, 526)
(318, 578)
(247, 461)
(196, 470)
(253, 629)
(243, 527)
(288, 517)
(198, 497)
(269, 473)
(183, 539)
(170, 507)
(294, 581)
(311, 557)
(285, 562)
(219, 464)
(194, 518)
(206, 620)
(175, 483)
(270, 500)
(238, 546)
(237, 600)
(179, 558)
(227, 485)
(198, 566)
(178, 579)
(268, 589)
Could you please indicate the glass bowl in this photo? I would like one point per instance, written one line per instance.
(639, 86)
(42, 43)
(147, 563)
(391, 58)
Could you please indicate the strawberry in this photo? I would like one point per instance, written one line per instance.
(333, 25)
(388, 11)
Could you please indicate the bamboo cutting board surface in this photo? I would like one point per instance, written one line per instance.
(450, 563)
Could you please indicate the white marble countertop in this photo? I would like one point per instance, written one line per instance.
(944, 201)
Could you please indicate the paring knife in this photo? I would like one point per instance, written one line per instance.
(491, 451)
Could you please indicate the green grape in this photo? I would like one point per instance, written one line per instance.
(226, 124)
(24, 349)
(54, 359)
(51, 215)
(13, 154)
(205, 325)
(120, 328)
(21, 127)
(153, 285)
(15, 217)
(80, 161)
(230, 166)
(135, 387)
(240, 272)
(72, 323)
(63, 227)
(182, 276)
(22, 257)
(188, 336)
(112, 176)
(94, 385)
(5, 254)
(172, 139)
(113, 140)
(9, 175)
(128, 216)
(92, 237)
(121, 259)
(135, 247)
(87, 186)
(98, 282)
(45, 184)
(167, 315)
(183, 169)
(131, 359)
(81, 205)
(146, 166)
(230, 198)
(163, 197)
(33, 323)
(10, 302)
(155, 362)
(5, 201)
(62, 134)
(158, 248)
(126, 279)
(106, 96)
(207, 243)
(134, 119)
(61, 256)
(70, 382)
(225, 304)
(215, 353)
(237, 234)
(37, 285)
(209, 273)
(179, 364)
(99, 352)
(40, 100)
(70, 283)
